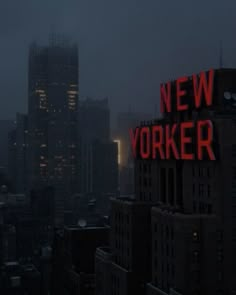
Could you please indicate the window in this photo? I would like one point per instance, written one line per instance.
(234, 150)
(155, 227)
(194, 207)
(140, 167)
(128, 236)
(155, 245)
(220, 255)
(167, 250)
(171, 186)
(208, 190)
(201, 208)
(172, 270)
(145, 182)
(167, 232)
(201, 189)
(163, 185)
(145, 168)
(172, 234)
(201, 171)
(220, 276)
(150, 181)
(208, 172)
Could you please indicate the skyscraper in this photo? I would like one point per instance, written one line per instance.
(94, 125)
(187, 204)
(125, 121)
(52, 109)
(6, 126)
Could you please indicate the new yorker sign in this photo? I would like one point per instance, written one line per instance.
(184, 140)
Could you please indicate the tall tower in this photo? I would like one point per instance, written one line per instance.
(52, 108)
(94, 124)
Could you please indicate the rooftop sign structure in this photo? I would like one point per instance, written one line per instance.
(182, 140)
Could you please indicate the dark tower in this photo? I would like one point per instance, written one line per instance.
(52, 107)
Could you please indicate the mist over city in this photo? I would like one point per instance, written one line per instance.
(126, 47)
(118, 147)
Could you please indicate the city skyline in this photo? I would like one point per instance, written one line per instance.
(118, 147)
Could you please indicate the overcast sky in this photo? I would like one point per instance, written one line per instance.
(127, 47)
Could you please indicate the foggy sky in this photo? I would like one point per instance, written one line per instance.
(127, 47)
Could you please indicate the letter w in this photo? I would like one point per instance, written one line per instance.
(203, 87)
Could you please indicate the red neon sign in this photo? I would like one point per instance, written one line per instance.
(176, 140)
(172, 147)
(202, 88)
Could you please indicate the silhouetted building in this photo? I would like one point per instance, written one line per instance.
(98, 161)
(193, 225)
(45, 268)
(12, 155)
(125, 121)
(21, 152)
(17, 154)
(74, 259)
(126, 267)
(52, 111)
(104, 167)
(191, 205)
(103, 260)
(94, 124)
(5, 127)
(43, 204)
(17, 279)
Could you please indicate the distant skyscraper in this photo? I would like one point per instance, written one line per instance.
(94, 125)
(52, 107)
(125, 121)
(17, 154)
(12, 172)
(105, 167)
(5, 127)
(21, 152)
